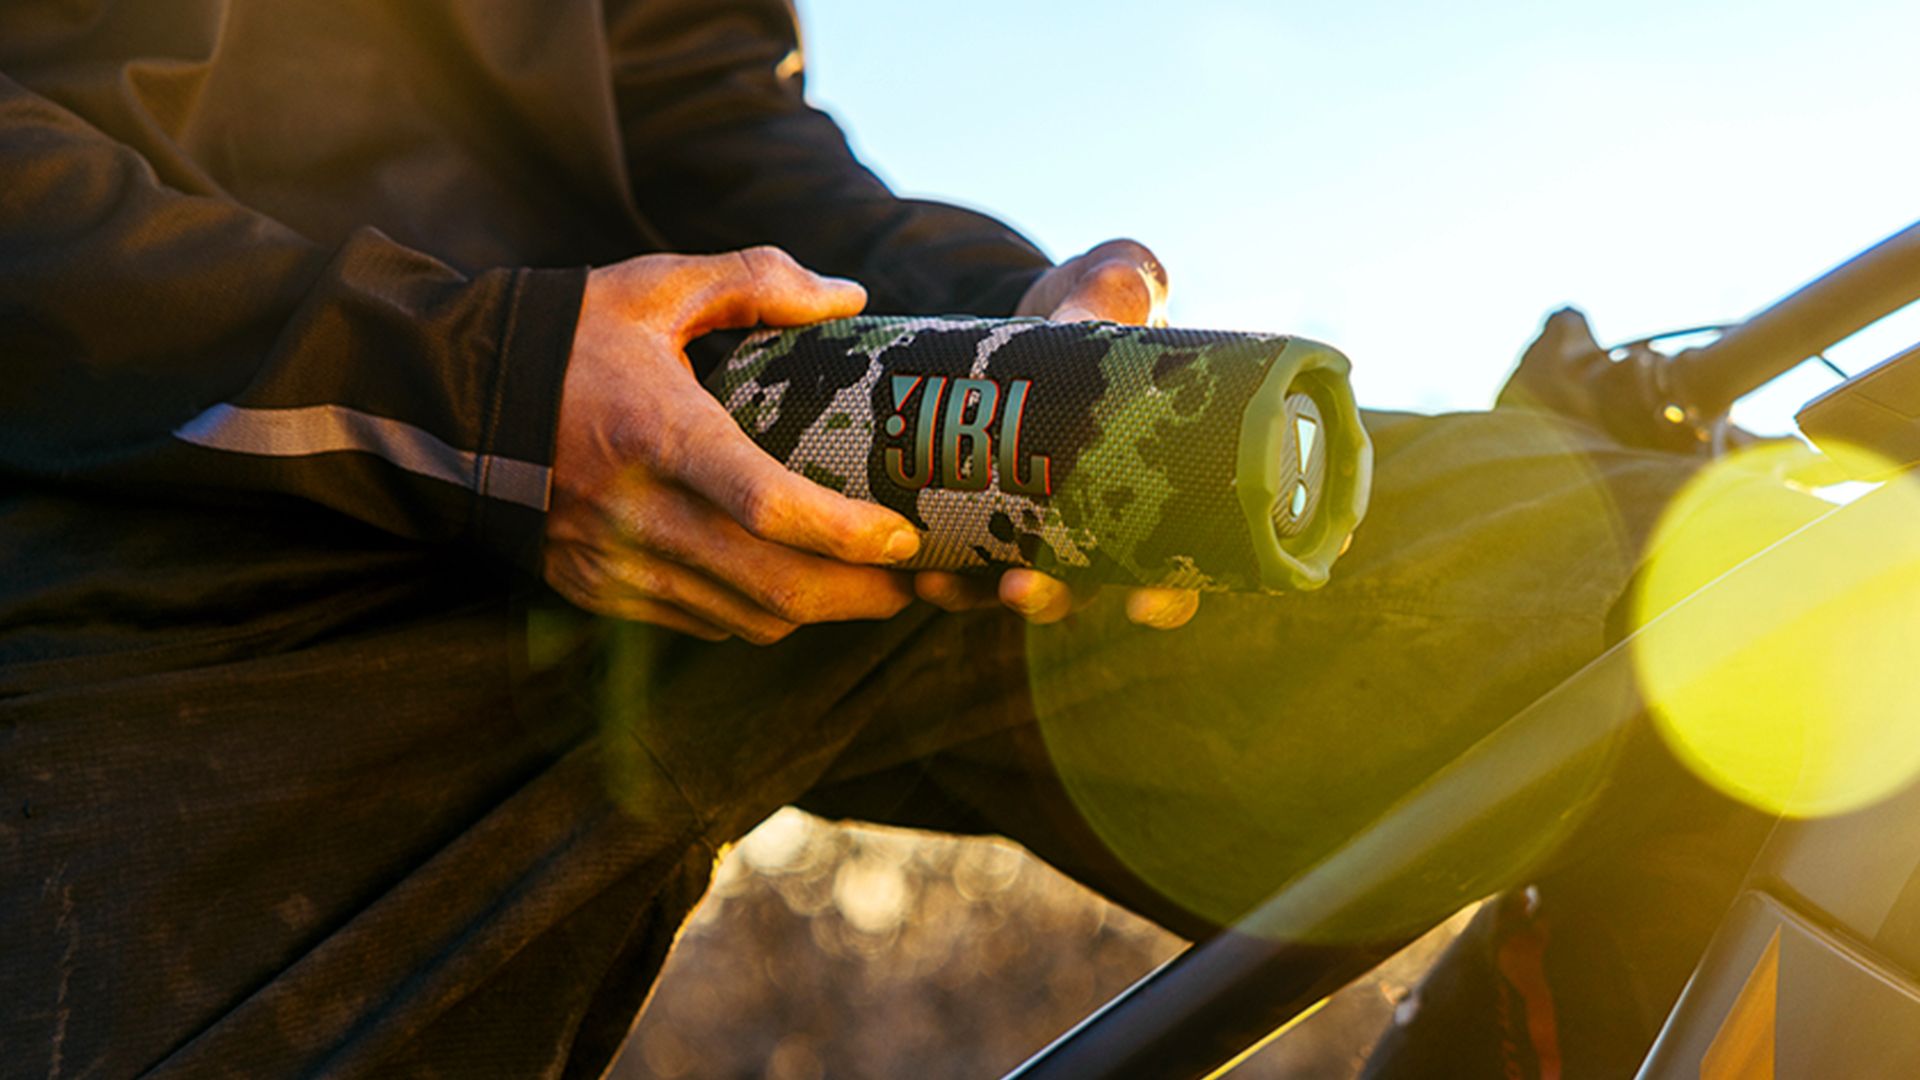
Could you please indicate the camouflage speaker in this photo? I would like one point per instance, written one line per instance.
(1093, 451)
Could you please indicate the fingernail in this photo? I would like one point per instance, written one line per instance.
(1158, 273)
(902, 545)
(1027, 601)
(1074, 314)
(934, 591)
(1030, 604)
(1167, 612)
(1158, 612)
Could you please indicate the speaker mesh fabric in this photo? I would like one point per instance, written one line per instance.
(1093, 451)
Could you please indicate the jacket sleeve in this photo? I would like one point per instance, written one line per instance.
(181, 346)
(725, 153)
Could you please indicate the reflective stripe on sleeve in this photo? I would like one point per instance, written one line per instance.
(325, 429)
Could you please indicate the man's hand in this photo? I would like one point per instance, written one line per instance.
(1118, 281)
(664, 511)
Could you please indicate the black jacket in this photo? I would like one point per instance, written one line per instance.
(287, 289)
(334, 249)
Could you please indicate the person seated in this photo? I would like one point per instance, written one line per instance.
(393, 632)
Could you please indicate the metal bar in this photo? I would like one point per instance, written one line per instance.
(1852, 296)
(1201, 1011)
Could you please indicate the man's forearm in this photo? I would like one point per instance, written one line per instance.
(165, 342)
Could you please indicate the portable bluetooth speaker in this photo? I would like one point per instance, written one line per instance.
(1092, 451)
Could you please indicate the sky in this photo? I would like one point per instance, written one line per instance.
(1415, 184)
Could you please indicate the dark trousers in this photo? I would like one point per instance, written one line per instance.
(280, 796)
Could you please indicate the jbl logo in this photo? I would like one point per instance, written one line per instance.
(960, 412)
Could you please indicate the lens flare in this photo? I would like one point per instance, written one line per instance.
(1788, 681)
(1223, 761)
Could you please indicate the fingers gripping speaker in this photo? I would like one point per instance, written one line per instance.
(1093, 451)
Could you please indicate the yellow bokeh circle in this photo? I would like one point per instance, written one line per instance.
(1779, 638)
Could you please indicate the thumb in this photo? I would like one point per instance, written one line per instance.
(761, 286)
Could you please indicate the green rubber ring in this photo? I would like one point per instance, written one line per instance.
(1265, 484)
